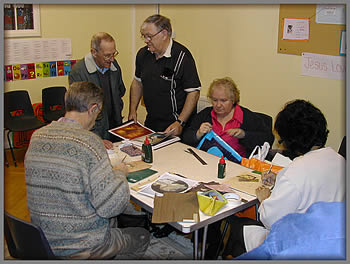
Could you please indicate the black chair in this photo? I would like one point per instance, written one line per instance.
(19, 115)
(268, 122)
(342, 148)
(25, 240)
(53, 103)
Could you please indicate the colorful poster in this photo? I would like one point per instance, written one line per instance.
(46, 69)
(67, 67)
(8, 73)
(53, 71)
(24, 72)
(31, 70)
(39, 70)
(16, 72)
(72, 62)
(60, 68)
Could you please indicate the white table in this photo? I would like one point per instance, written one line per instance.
(173, 158)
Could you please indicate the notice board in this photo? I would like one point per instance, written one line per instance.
(324, 38)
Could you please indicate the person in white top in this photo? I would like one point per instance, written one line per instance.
(317, 173)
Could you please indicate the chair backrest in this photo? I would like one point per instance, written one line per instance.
(268, 122)
(26, 240)
(52, 96)
(17, 101)
(342, 147)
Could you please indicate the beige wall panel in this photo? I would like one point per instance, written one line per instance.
(240, 41)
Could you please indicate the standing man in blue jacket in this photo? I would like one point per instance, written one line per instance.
(101, 68)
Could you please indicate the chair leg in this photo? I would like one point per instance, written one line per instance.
(11, 147)
(6, 161)
(222, 239)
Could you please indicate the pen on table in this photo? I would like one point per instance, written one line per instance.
(269, 169)
(124, 158)
(189, 150)
(178, 174)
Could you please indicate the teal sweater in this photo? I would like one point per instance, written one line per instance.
(72, 190)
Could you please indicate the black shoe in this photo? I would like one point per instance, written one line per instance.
(163, 232)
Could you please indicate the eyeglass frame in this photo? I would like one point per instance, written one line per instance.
(149, 38)
(110, 56)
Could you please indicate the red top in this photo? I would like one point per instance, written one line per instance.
(235, 122)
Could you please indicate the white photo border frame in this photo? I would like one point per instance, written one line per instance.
(342, 48)
(36, 32)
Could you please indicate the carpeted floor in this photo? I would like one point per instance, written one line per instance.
(174, 247)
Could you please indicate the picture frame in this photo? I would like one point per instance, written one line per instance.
(11, 16)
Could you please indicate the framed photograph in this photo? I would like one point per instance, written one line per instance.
(21, 20)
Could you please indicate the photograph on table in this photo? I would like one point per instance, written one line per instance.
(168, 182)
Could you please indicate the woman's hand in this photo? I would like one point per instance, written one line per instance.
(262, 193)
(268, 178)
(203, 129)
(236, 132)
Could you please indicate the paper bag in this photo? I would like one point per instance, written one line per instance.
(173, 207)
(259, 165)
(211, 202)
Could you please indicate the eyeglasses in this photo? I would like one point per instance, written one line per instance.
(110, 56)
(150, 37)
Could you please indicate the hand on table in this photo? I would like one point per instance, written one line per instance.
(121, 167)
(262, 193)
(108, 144)
(174, 129)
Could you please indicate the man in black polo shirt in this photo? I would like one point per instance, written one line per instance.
(101, 68)
(166, 77)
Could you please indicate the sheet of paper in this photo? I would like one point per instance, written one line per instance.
(20, 51)
(168, 182)
(174, 207)
(281, 160)
(324, 66)
(296, 29)
(330, 14)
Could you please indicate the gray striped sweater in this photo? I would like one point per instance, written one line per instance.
(72, 190)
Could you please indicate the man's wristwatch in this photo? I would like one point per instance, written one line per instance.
(182, 123)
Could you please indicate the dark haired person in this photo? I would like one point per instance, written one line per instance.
(166, 76)
(73, 193)
(317, 173)
(101, 68)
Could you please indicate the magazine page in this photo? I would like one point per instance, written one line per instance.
(131, 130)
(157, 138)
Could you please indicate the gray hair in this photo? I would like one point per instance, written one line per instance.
(161, 22)
(82, 95)
(98, 37)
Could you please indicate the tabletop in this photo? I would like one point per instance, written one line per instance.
(174, 159)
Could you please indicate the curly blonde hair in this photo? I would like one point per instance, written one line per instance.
(230, 87)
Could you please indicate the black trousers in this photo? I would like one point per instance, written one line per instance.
(235, 244)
